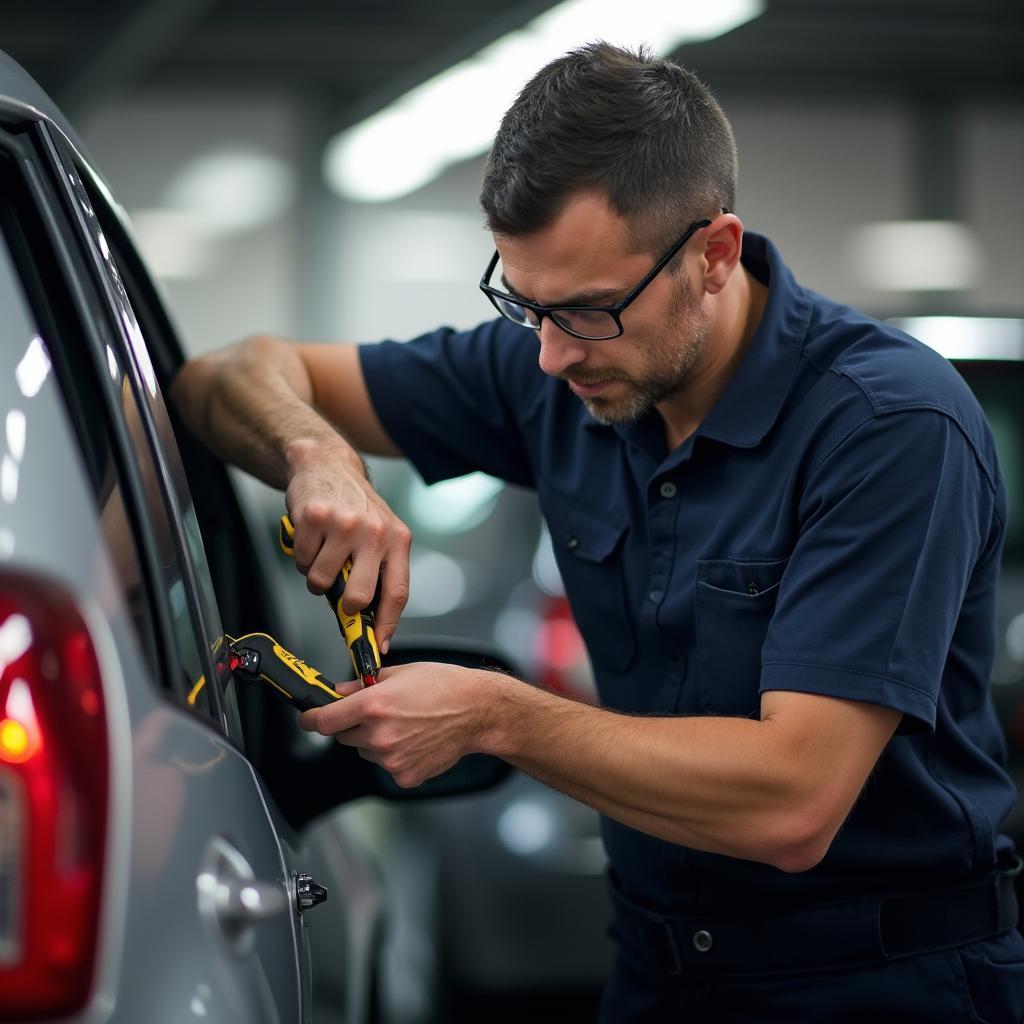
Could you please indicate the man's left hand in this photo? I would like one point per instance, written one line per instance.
(416, 722)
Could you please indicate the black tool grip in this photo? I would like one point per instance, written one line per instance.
(261, 658)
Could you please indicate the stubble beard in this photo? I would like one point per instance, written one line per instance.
(671, 358)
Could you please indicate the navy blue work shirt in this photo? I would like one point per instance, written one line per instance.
(834, 526)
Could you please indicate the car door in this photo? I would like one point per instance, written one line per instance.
(209, 923)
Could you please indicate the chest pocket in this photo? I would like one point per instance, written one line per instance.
(588, 550)
(735, 603)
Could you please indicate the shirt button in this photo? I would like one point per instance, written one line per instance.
(668, 489)
(655, 596)
(572, 543)
(702, 941)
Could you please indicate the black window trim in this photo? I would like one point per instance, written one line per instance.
(24, 140)
(200, 629)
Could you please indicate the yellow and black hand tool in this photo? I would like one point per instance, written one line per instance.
(258, 656)
(356, 629)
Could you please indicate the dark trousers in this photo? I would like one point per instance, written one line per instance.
(980, 982)
(941, 956)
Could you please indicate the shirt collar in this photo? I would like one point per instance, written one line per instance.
(753, 398)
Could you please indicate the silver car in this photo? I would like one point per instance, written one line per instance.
(158, 851)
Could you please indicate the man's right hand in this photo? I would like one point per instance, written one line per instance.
(337, 514)
(294, 414)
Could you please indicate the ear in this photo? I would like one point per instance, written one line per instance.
(723, 243)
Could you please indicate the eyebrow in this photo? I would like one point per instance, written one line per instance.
(604, 296)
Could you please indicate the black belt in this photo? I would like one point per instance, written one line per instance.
(836, 935)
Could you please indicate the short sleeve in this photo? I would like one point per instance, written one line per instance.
(893, 522)
(452, 401)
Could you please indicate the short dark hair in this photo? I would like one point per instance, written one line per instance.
(642, 130)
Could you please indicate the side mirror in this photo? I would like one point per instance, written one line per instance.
(307, 780)
(475, 771)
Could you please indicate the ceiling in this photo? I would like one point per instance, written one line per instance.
(352, 57)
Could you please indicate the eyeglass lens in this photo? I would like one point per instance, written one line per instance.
(587, 323)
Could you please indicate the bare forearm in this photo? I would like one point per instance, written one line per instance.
(724, 785)
(251, 404)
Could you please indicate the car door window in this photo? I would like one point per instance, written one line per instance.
(193, 601)
(75, 327)
(59, 341)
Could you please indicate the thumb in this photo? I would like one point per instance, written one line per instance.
(346, 689)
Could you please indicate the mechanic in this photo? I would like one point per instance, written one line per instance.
(779, 524)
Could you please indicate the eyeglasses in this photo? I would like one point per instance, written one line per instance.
(593, 323)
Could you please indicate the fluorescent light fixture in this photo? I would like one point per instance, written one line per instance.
(967, 337)
(916, 256)
(232, 190)
(454, 115)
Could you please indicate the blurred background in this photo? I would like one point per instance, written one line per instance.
(310, 169)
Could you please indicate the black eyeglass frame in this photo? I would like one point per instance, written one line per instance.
(615, 312)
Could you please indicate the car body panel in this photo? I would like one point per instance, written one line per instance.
(181, 792)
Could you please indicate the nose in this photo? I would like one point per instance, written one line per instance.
(558, 350)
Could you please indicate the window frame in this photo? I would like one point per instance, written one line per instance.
(83, 298)
(62, 164)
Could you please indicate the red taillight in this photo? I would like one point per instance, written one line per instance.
(54, 771)
(560, 654)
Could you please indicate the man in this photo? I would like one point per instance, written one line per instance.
(779, 524)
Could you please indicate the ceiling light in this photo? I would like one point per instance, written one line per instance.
(968, 337)
(454, 115)
(916, 256)
(231, 191)
(174, 244)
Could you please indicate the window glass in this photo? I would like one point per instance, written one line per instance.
(194, 630)
(172, 577)
(61, 340)
(113, 323)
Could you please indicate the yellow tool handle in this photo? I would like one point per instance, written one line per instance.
(357, 629)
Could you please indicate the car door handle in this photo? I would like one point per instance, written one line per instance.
(232, 899)
(248, 901)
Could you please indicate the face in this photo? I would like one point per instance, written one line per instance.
(586, 256)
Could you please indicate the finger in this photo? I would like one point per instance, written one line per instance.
(309, 721)
(354, 737)
(348, 688)
(394, 596)
(330, 558)
(362, 581)
(341, 715)
(307, 543)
